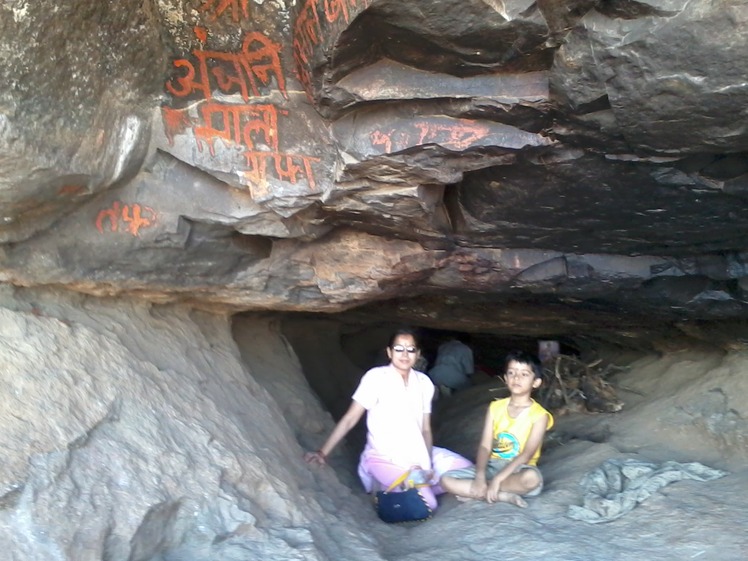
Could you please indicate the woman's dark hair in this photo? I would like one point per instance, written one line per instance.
(524, 357)
(404, 330)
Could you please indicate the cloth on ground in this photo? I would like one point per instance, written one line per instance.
(617, 486)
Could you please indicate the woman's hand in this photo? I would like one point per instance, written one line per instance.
(317, 457)
(419, 477)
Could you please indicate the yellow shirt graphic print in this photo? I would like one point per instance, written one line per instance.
(506, 446)
(511, 433)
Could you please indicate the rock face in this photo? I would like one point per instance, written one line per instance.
(136, 432)
(585, 160)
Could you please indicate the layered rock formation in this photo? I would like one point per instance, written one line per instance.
(582, 163)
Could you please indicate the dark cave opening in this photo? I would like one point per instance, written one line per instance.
(365, 346)
(335, 351)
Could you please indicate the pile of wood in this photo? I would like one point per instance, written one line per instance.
(572, 385)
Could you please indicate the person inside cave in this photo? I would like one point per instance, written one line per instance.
(454, 364)
(397, 399)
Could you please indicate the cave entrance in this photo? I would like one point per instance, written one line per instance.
(336, 350)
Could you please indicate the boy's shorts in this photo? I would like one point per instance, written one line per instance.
(494, 467)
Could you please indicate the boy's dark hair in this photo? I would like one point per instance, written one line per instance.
(524, 357)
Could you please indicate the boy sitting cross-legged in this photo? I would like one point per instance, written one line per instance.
(506, 461)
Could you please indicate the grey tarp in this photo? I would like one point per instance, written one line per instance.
(617, 486)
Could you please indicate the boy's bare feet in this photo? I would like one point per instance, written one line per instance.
(512, 498)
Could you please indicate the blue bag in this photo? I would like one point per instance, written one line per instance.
(401, 506)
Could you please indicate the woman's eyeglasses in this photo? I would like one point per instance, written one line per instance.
(402, 349)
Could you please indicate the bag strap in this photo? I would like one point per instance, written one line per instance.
(398, 481)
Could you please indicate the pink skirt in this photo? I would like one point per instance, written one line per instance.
(378, 473)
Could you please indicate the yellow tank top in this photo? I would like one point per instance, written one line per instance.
(510, 435)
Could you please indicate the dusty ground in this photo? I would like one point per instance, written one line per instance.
(675, 407)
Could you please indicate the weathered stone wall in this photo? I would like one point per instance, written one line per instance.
(320, 155)
(136, 432)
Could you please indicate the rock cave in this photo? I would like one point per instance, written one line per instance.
(214, 212)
